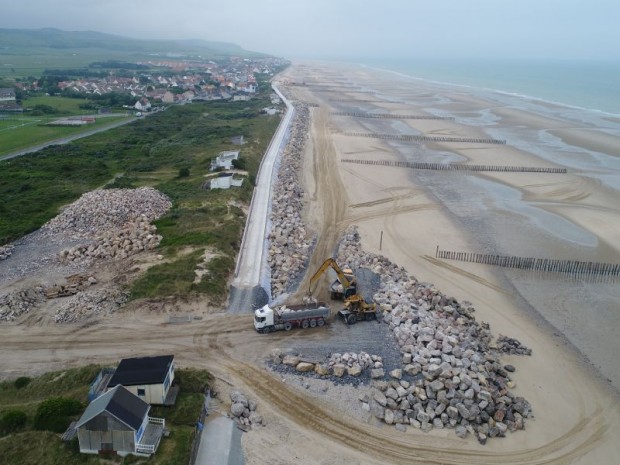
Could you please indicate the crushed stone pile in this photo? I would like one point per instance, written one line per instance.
(15, 304)
(106, 209)
(6, 251)
(289, 240)
(103, 301)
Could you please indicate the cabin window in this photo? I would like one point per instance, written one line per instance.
(260, 319)
(141, 392)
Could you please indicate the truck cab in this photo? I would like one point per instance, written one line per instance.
(263, 318)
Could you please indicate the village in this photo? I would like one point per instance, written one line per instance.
(163, 82)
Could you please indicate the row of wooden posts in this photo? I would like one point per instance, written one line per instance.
(457, 166)
(410, 137)
(390, 116)
(536, 264)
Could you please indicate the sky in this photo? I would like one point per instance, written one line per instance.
(351, 29)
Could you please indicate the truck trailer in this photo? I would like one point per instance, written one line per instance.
(287, 317)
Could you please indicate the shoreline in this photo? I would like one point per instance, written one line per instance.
(414, 211)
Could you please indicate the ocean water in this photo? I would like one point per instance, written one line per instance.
(589, 85)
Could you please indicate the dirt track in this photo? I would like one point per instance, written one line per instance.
(300, 428)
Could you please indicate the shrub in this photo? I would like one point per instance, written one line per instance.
(13, 420)
(22, 382)
(53, 414)
(184, 172)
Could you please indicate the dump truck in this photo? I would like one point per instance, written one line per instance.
(287, 317)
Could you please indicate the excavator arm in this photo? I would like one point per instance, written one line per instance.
(346, 282)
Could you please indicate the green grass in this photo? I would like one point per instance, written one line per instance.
(150, 152)
(27, 131)
(29, 447)
(63, 105)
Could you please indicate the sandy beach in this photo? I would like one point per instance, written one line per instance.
(572, 378)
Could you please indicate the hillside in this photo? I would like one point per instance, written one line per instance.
(28, 51)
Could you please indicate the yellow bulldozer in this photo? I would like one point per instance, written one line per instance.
(355, 308)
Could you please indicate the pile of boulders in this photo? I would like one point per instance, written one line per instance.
(511, 346)
(15, 304)
(289, 241)
(6, 251)
(103, 301)
(454, 376)
(336, 365)
(243, 410)
(132, 238)
(107, 209)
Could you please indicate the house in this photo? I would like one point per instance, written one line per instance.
(224, 160)
(119, 422)
(7, 94)
(225, 181)
(237, 140)
(168, 97)
(142, 104)
(150, 378)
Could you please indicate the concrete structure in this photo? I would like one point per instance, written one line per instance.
(224, 160)
(251, 259)
(149, 378)
(118, 422)
(225, 181)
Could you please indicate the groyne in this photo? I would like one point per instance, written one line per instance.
(552, 265)
(414, 138)
(457, 166)
(389, 116)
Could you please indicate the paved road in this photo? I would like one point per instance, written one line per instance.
(66, 140)
(220, 443)
(246, 290)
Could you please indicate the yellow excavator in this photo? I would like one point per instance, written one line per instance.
(345, 287)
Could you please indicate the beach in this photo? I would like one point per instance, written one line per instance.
(570, 322)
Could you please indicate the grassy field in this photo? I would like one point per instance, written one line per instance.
(21, 132)
(152, 151)
(27, 446)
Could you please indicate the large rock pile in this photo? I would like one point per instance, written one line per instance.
(289, 241)
(336, 365)
(15, 304)
(106, 209)
(6, 251)
(121, 243)
(91, 302)
(457, 379)
(243, 410)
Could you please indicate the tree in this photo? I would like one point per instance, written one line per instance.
(12, 421)
(53, 414)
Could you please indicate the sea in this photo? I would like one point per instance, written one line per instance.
(590, 85)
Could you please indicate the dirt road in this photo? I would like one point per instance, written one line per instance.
(315, 427)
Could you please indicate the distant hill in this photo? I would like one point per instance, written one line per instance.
(34, 49)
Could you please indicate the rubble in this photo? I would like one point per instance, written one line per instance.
(243, 410)
(6, 251)
(289, 241)
(108, 209)
(15, 304)
(457, 378)
(103, 301)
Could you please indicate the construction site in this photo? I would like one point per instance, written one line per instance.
(354, 337)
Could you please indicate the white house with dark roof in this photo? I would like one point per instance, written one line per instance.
(119, 422)
(224, 160)
(149, 378)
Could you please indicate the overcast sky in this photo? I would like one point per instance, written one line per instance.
(350, 28)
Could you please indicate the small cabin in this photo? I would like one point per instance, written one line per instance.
(118, 422)
(149, 378)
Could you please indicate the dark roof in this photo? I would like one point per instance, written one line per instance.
(141, 370)
(120, 403)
